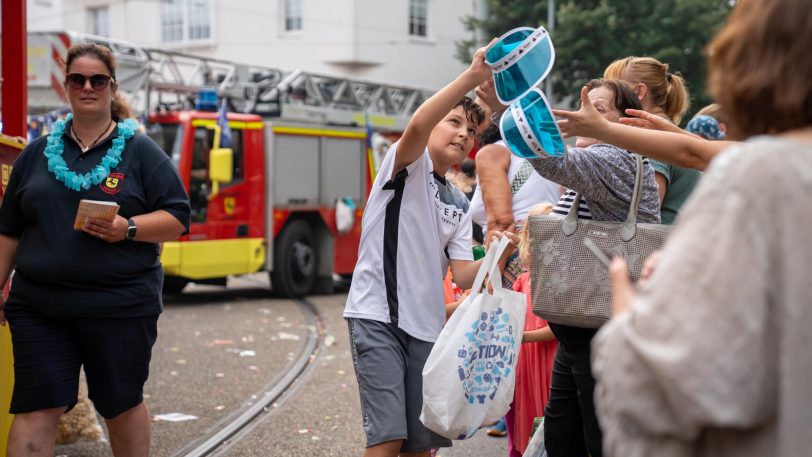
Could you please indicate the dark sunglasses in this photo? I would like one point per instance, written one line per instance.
(76, 81)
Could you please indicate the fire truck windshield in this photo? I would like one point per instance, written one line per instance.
(169, 137)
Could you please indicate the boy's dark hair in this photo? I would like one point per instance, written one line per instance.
(624, 97)
(472, 111)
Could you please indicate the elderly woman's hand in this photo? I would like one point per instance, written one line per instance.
(586, 122)
(622, 288)
(110, 231)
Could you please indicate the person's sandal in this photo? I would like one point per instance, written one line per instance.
(498, 429)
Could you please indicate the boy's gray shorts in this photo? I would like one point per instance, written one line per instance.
(389, 367)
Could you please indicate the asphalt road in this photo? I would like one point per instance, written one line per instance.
(219, 349)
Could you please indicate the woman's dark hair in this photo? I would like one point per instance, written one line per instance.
(489, 136)
(759, 67)
(624, 97)
(119, 108)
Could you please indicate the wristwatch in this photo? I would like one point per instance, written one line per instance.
(131, 229)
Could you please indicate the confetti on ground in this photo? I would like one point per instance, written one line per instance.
(220, 342)
(280, 319)
(288, 336)
(247, 353)
(174, 417)
(181, 361)
(315, 438)
(329, 340)
(303, 431)
(254, 368)
(329, 357)
(198, 333)
(173, 373)
(219, 375)
(219, 407)
(248, 339)
(174, 349)
(264, 311)
(340, 371)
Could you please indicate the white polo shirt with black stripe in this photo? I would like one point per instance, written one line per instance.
(412, 225)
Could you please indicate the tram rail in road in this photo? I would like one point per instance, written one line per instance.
(228, 431)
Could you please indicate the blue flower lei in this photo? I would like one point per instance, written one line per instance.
(73, 180)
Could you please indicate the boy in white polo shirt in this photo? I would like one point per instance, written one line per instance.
(415, 224)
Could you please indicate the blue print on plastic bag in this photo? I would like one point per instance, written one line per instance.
(487, 357)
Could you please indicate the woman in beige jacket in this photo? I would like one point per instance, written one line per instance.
(711, 356)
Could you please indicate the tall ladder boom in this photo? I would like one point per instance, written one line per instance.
(159, 79)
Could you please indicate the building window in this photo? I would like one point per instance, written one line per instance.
(185, 20)
(418, 11)
(171, 21)
(293, 15)
(99, 21)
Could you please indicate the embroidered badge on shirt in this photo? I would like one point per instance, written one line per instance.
(113, 183)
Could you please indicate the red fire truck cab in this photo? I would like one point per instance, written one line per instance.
(272, 208)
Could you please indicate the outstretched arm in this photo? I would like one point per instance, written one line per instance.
(432, 111)
(493, 164)
(670, 147)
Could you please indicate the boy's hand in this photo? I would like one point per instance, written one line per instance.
(479, 69)
(514, 241)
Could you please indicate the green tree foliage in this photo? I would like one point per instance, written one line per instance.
(590, 34)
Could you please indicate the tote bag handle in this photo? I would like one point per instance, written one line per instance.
(629, 228)
(490, 266)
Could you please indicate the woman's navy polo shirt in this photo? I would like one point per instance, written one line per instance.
(63, 272)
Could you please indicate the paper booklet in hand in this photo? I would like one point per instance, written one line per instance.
(94, 208)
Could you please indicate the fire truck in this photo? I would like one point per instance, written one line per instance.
(300, 147)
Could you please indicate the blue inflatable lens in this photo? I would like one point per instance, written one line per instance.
(529, 128)
(520, 60)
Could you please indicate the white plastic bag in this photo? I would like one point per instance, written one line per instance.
(469, 376)
(535, 448)
(345, 215)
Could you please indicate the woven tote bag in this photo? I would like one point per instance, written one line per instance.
(569, 285)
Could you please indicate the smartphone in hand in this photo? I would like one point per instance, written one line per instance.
(599, 253)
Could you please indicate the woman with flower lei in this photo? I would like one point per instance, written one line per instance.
(88, 297)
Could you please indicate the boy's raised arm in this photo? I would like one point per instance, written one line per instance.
(432, 111)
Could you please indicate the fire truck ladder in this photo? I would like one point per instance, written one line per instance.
(155, 77)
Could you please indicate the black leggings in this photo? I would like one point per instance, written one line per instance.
(570, 424)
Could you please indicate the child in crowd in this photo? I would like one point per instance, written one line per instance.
(535, 365)
(415, 225)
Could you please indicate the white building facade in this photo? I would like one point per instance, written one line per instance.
(408, 42)
(44, 15)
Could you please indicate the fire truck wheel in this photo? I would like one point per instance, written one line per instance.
(174, 284)
(295, 260)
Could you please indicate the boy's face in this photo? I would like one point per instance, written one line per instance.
(452, 139)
